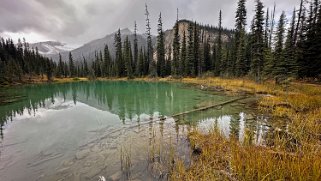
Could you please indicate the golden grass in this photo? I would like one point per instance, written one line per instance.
(294, 155)
(227, 159)
(68, 79)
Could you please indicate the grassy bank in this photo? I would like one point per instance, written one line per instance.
(289, 153)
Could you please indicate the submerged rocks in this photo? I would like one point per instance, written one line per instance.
(82, 154)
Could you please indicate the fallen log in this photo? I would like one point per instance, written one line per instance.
(208, 107)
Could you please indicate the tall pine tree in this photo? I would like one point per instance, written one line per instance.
(151, 69)
(71, 66)
(257, 62)
(218, 61)
(240, 69)
(161, 69)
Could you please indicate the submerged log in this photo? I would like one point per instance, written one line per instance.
(208, 107)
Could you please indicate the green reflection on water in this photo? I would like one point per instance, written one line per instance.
(53, 121)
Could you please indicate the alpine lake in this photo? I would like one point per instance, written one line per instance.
(119, 130)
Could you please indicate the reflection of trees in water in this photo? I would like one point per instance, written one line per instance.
(126, 99)
(235, 126)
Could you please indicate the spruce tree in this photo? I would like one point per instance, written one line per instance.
(135, 53)
(119, 65)
(128, 58)
(218, 61)
(279, 61)
(257, 62)
(176, 47)
(207, 56)
(161, 69)
(66, 70)
(107, 62)
(86, 70)
(140, 63)
(60, 71)
(214, 56)
(101, 64)
(290, 61)
(196, 51)
(151, 69)
(49, 70)
(268, 58)
(183, 56)
(71, 66)
(272, 26)
(240, 38)
(315, 61)
(299, 21)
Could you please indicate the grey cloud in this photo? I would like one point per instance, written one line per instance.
(79, 21)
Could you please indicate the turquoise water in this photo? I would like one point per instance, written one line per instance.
(79, 131)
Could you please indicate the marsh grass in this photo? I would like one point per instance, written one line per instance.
(126, 161)
(290, 153)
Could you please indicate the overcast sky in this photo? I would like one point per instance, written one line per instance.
(76, 22)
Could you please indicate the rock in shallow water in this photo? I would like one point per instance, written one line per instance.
(82, 154)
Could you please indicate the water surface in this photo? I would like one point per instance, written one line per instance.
(80, 131)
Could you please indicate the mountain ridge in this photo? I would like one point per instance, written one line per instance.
(89, 49)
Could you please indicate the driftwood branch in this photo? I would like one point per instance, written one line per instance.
(208, 107)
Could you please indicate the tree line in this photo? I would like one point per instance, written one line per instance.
(269, 50)
(17, 61)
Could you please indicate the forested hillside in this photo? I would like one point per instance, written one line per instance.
(278, 48)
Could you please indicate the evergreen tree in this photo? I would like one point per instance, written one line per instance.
(183, 56)
(100, 64)
(190, 66)
(140, 63)
(279, 61)
(86, 70)
(107, 62)
(49, 70)
(196, 51)
(218, 61)
(71, 66)
(119, 65)
(240, 38)
(257, 62)
(299, 21)
(290, 61)
(176, 47)
(268, 58)
(316, 68)
(66, 70)
(135, 54)
(151, 69)
(272, 26)
(60, 71)
(201, 59)
(128, 58)
(161, 69)
(214, 56)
